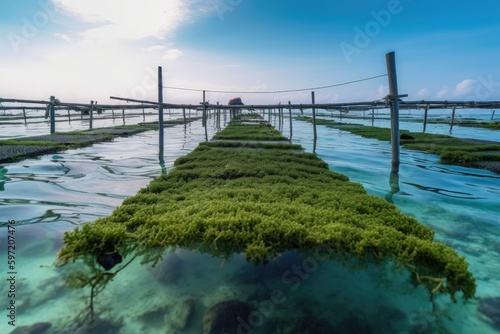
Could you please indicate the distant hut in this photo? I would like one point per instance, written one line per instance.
(235, 101)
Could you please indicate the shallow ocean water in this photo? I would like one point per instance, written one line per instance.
(298, 294)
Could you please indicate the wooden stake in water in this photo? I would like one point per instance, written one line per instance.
(160, 117)
(426, 111)
(452, 118)
(123, 116)
(24, 115)
(315, 135)
(52, 115)
(205, 116)
(91, 114)
(290, 118)
(394, 100)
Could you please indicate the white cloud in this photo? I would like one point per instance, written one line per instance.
(444, 92)
(172, 54)
(64, 37)
(155, 48)
(129, 19)
(382, 91)
(56, 57)
(423, 93)
(465, 87)
(461, 90)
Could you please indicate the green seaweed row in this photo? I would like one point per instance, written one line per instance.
(261, 202)
(458, 151)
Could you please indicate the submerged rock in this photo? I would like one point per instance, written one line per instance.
(168, 270)
(490, 307)
(96, 326)
(109, 260)
(228, 317)
(355, 325)
(406, 136)
(252, 274)
(177, 320)
(38, 328)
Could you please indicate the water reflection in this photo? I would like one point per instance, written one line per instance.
(192, 292)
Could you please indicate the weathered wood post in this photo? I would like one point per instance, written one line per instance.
(69, 115)
(373, 116)
(393, 98)
(452, 118)
(492, 114)
(143, 115)
(281, 117)
(394, 103)
(290, 118)
(217, 117)
(91, 114)
(52, 114)
(113, 113)
(205, 117)
(426, 111)
(26, 121)
(160, 119)
(184, 114)
(315, 135)
(123, 115)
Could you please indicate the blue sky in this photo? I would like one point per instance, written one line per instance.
(81, 50)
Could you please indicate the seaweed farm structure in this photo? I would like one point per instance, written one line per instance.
(250, 193)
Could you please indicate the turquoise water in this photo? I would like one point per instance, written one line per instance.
(38, 125)
(298, 294)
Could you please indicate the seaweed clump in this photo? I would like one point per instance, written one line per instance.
(262, 202)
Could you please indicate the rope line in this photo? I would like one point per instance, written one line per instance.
(278, 91)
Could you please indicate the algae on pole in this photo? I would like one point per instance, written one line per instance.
(262, 200)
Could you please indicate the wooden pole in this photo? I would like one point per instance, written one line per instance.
(123, 116)
(143, 115)
(160, 118)
(452, 118)
(394, 99)
(69, 116)
(113, 113)
(492, 114)
(91, 114)
(217, 117)
(184, 114)
(290, 119)
(205, 117)
(52, 115)
(26, 121)
(373, 116)
(426, 112)
(315, 135)
(281, 118)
